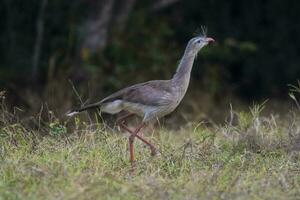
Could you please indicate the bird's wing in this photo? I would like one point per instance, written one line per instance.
(153, 93)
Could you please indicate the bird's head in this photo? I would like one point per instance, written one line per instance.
(198, 42)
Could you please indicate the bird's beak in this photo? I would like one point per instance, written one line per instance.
(210, 40)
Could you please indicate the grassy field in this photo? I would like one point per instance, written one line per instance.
(248, 157)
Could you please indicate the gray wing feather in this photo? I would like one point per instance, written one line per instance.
(152, 93)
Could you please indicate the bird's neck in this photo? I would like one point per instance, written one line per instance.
(183, 73)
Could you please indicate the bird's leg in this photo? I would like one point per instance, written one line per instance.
(121, 119)
(131, 151)
(120, 122)
(152, 148)
(131, 146)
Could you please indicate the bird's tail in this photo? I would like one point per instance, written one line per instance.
(78, 110)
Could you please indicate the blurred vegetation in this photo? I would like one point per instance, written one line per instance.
(45, 43)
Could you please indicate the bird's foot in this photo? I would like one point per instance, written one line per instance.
(153, 151)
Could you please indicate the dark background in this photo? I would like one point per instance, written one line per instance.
(48, 48)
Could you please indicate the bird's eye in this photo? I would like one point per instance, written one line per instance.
(198, 41)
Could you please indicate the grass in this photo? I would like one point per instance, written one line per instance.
(249, 157)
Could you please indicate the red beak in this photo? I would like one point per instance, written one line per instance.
(210, 40)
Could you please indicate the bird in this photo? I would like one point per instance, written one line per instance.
(153, 99)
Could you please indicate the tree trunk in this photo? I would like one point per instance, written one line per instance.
(95, 29)
(122, 14)
(39, 40)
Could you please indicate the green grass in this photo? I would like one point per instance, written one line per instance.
(250, 157)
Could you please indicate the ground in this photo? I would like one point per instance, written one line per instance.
(248, 157)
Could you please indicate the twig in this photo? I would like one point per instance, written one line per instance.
(231, 116)
(80, 99)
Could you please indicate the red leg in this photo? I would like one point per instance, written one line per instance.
(131, 151)
(131, 146)
(120, 122)
(152, 148)
(134, 134)
(121, 119)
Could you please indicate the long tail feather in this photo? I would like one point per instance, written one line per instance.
(78, 110)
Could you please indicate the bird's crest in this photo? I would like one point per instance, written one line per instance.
(201, 32)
